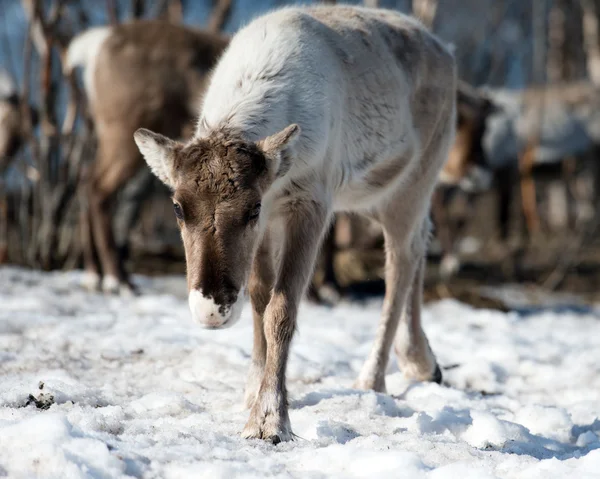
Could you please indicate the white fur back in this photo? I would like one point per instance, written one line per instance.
(250, 88)
(83, 52)
(333, 72)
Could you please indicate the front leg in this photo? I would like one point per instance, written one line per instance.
(303, 228)
(260, 285)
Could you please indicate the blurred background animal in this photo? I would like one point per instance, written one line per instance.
(133, 79)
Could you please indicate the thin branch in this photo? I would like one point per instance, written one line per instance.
(175, 11)
(219, 15)
(138, 7)
(6, 43)
(591, 38)
(425, 11)
(33, 10)
(170, 10)
(111, 12)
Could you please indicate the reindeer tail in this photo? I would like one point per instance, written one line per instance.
(83, 51)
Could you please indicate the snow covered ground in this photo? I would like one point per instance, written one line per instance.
(102, 387)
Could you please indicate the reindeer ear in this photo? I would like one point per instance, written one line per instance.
(276, 148)
(159, 152)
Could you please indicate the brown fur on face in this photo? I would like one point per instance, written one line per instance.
(218, 185)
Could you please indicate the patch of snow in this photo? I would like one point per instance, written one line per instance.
(97, 386)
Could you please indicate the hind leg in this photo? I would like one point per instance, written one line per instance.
(118, 161)
(92, 274)
(129, 208)
(414, 355)
(405, 247)
(406, 228)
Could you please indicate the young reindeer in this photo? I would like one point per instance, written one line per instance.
(310, 111)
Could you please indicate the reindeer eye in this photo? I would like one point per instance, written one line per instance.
(254, 212)
(178, 211)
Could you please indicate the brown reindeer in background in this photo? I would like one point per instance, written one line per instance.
(521, 131)
(147, 74)
(465, 168)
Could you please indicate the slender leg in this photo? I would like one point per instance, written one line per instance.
(117, 163)
(406, 230)
(305, 223)
(415, 358)
(529, 204)
(130, 202)
(328, 292)
(260, 286)
(450, 262)
(569, 168)
(91, 279)
(404, 254)
(505, 178)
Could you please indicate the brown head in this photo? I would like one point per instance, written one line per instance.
(466, 165)
(218, 185)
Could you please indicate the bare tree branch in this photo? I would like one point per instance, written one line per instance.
(175, 11)
(425, 11)
(591, 38)
(33, 10)
(219, 15)
(170, 10)
(556, 40)
(111, 11)
(138, 7)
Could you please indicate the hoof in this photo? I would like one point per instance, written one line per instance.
(111, 285)
(273, 438)
(90, 281)
(267, 424)
(370, 384)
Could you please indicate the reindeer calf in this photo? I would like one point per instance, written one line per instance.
(310, 111)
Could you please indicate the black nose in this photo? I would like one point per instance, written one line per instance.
(216, 284)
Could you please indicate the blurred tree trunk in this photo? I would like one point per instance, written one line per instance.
(590, 14)
(138, 8)
(372, 3)
(574, 55)
(425, 11)
(538, 28)
(111, 12)
(170, 10)
(555, 62)
(37, 32)
(219, 15)
(54, 177)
